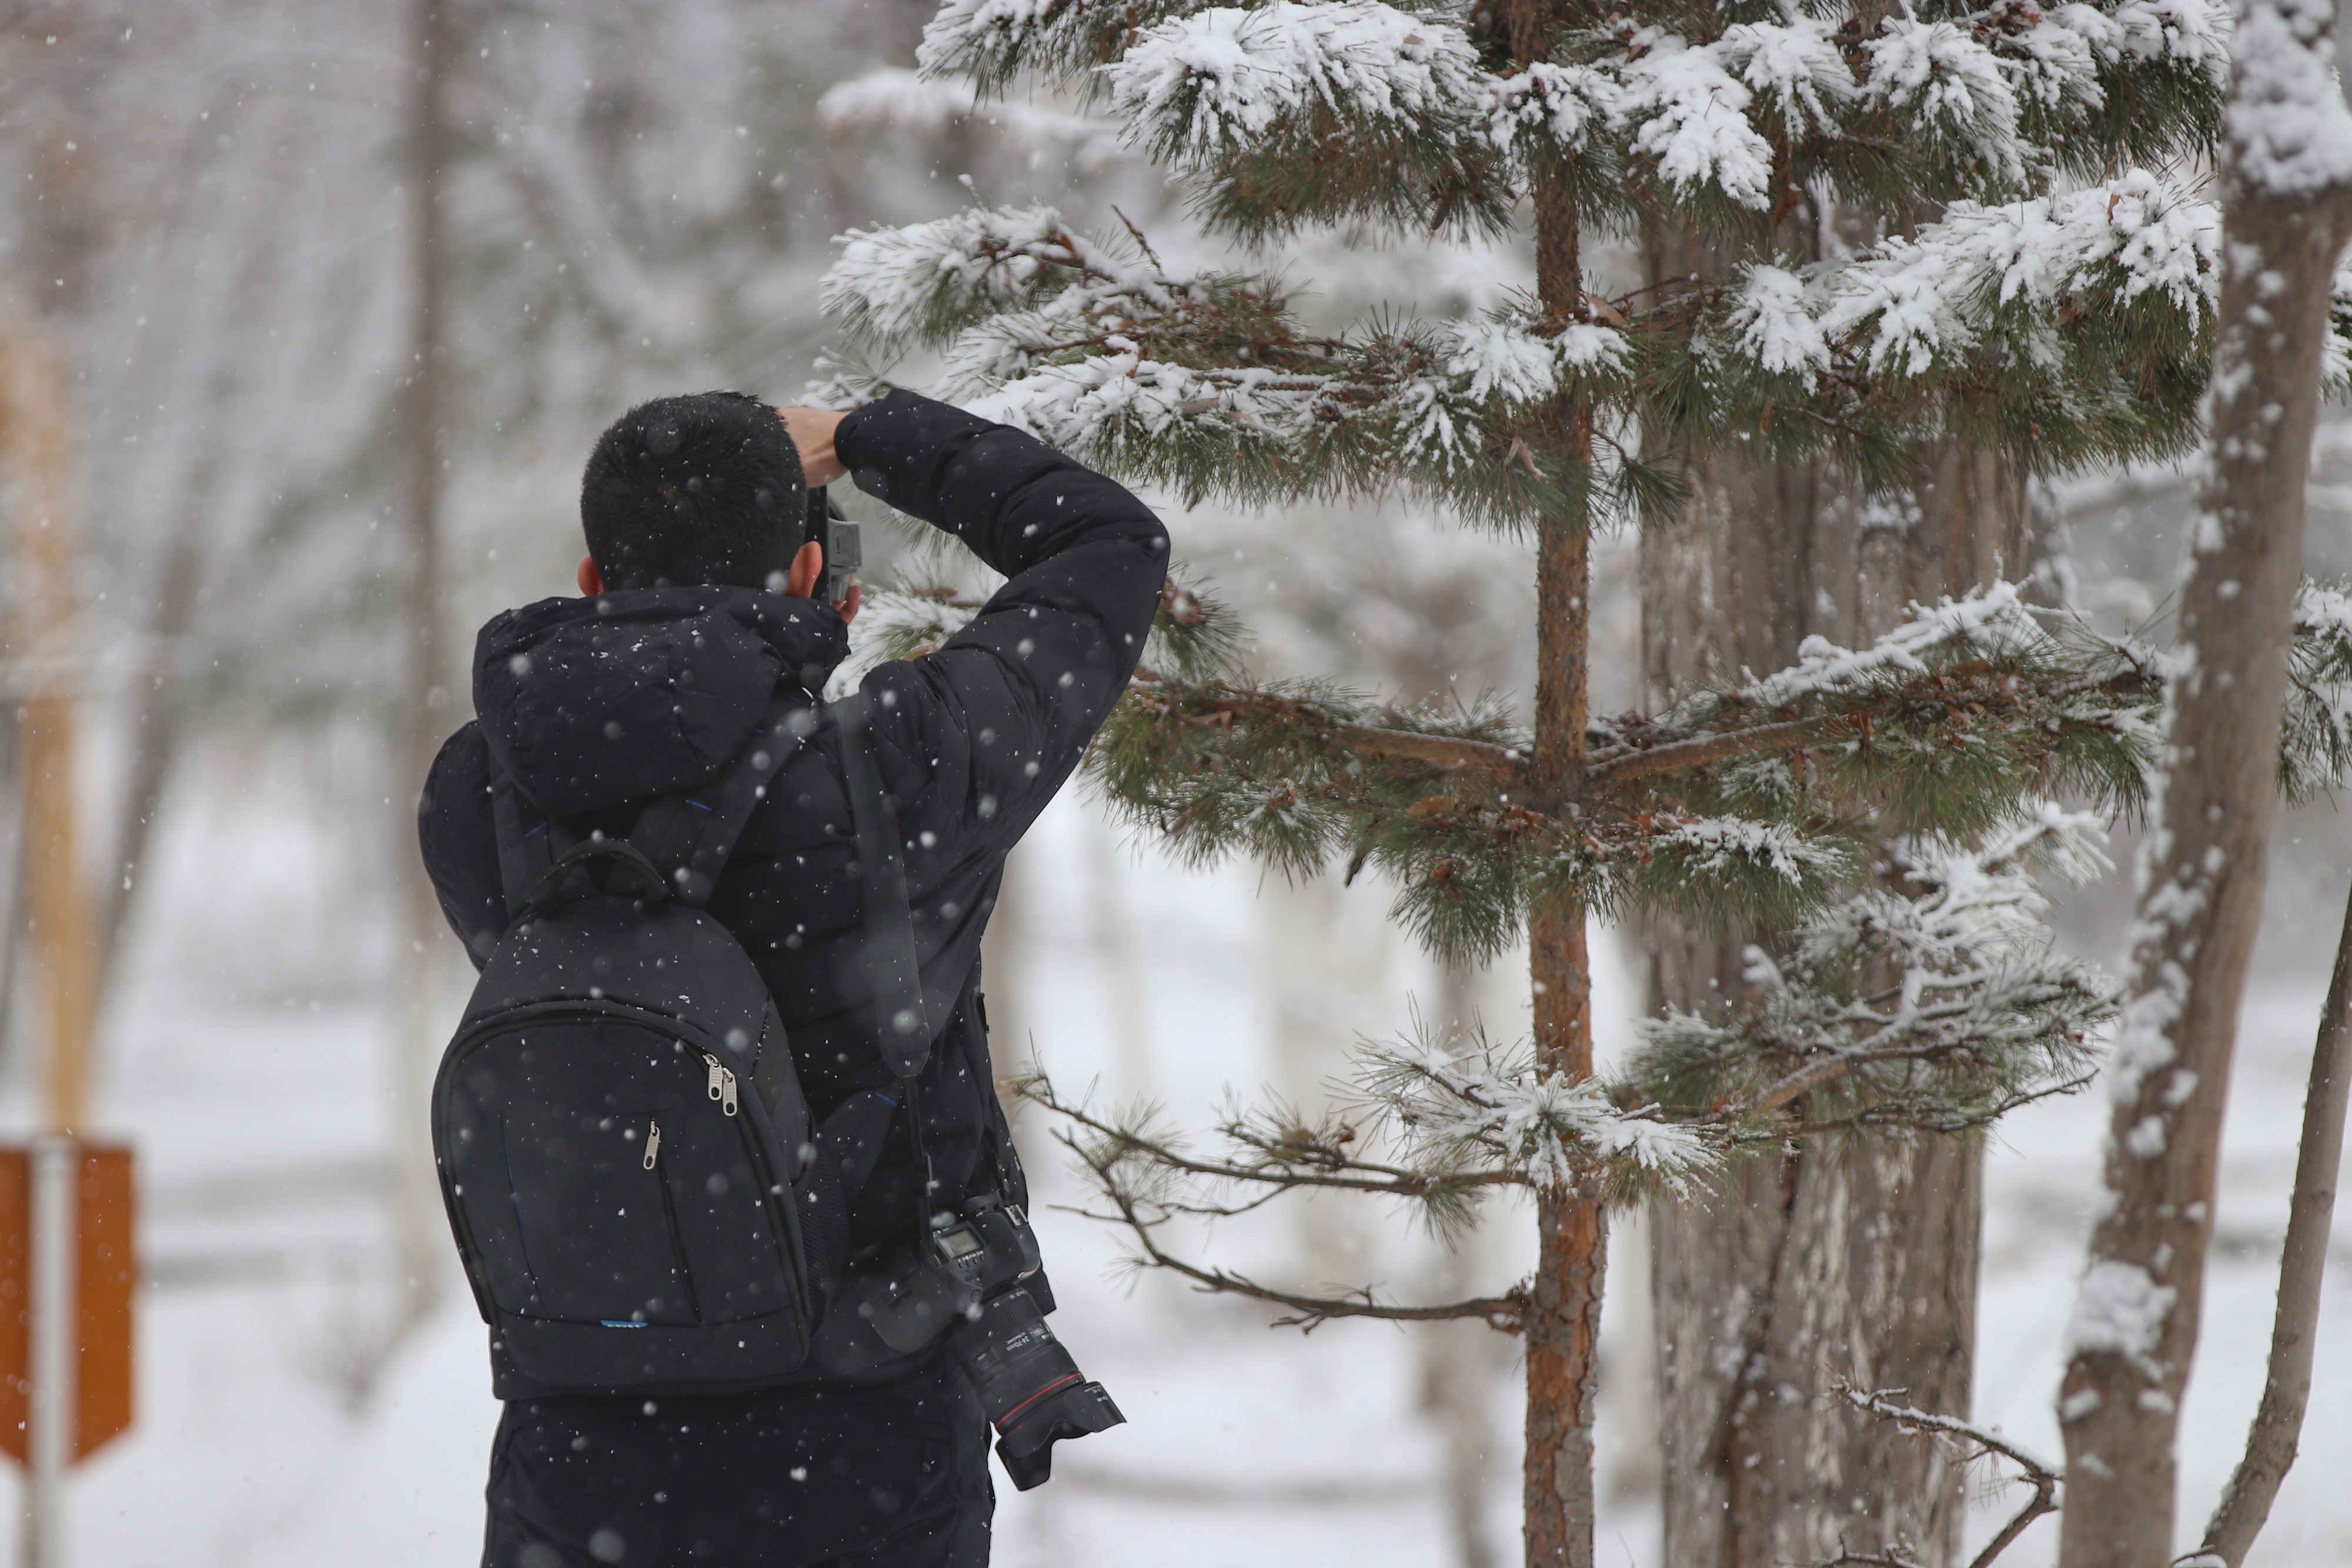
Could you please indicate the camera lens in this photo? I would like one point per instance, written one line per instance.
(1033, 1391)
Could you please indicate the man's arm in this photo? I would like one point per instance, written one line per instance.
(1001, 714)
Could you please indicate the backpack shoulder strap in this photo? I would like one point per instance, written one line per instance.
(902, 1021)
(690, 835)
(530, 841)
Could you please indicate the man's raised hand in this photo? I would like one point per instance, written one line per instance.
(812, 431)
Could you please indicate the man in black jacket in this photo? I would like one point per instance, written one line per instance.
(696, 605)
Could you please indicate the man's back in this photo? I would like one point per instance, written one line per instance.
(594, 705)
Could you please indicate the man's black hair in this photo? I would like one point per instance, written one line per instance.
(695, 489)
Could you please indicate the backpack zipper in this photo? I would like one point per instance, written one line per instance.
(653, 1143)
(723, 1084)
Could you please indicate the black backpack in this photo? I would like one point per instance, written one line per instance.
(637, 1191)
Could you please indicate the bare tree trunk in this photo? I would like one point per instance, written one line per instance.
(1562, 1324)
(1857, 1262)
(2133, 1331)
(416, 1200)
(2246, 1505)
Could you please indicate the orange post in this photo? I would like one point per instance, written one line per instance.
(105, 1278)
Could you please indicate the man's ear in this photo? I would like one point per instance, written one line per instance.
(591, 581)
(808, 562)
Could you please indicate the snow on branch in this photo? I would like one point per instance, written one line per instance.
(1436, 1123)
(1935, 1000)
(1150, 1177)
(920, 286)
(1211, 384)
(1551, 108)
(1951, 86)
(2316, 737)
(1992, 621)
(1465, 1103)
(1795, 69)
(1687, 116)
(1733, 803)
(1303, 111)
(2335, 365)
(992, 42)
(1194, 635)
(1946, 718)
(1915, 303)
(1227, 80)
(1974, 1442)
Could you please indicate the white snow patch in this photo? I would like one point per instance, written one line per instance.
(2119, 1310)
(2290, 131)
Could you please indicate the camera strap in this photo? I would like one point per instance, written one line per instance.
(902, 1023)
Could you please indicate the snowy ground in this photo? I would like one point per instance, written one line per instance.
(272, 1432)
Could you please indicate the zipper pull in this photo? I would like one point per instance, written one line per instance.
(653, 1143)
(723, 1084)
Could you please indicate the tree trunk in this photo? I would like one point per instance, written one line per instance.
(1561, 1324)
(2270, 1444)
(2133, 1332)
(1858, 1263)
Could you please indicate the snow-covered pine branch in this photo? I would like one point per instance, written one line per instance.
(1307, 112)
(1736, 801)
(2315, 727)
(1194, 636)
(1210, 384)
(1945, 718)
(990, 43)
(1981, 272)
(895, 290)
(1936, 1000)
(2062, 329)
(1451, 1106)
(2058, 328)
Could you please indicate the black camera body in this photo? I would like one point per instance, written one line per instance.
(964, 1280)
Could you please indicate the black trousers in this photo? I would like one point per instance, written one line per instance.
(894, 1476)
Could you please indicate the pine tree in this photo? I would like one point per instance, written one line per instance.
(2015, 267)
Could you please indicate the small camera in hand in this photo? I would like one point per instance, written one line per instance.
(844, 550)
(969, 1282)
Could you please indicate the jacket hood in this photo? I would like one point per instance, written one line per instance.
(590, 702)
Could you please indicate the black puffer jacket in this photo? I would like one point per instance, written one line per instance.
(594, 705)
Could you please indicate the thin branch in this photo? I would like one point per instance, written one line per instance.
(1388, 1180)
(2041, 1472)
(1948, 1126)
(1498, 1312)
(1614, 774)
(1445, 751)
(2245, 1504)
